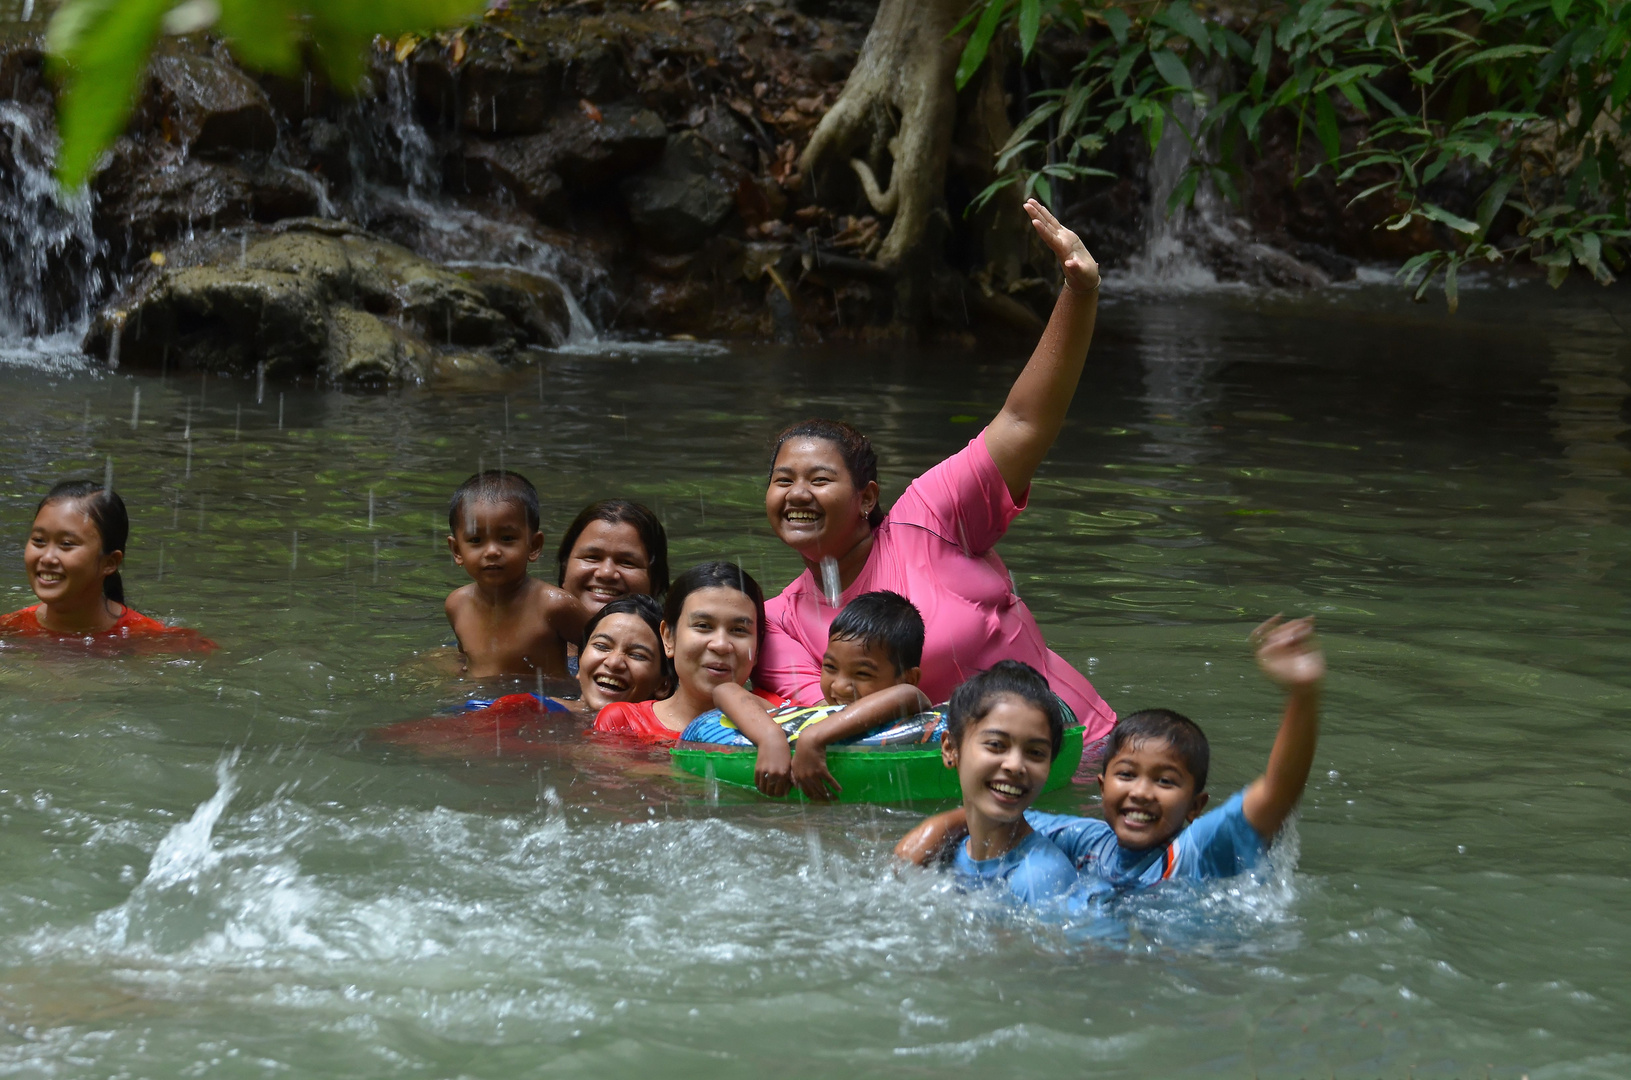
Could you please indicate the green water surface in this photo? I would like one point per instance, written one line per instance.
(209, 868)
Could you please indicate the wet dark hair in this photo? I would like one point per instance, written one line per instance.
(107, 512)
(883, 618)
(646, 608)
(971, 701)
(856, 450)
(615, 512)
(1178, 731)
(715, 575)
(494, 485)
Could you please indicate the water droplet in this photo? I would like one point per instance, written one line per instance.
(136, 408)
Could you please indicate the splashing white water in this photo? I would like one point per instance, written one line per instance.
(186, 849)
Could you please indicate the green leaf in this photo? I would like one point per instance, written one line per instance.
(1124, 67)
(1560, 9)
(1382, 99)
(988, 192)
(1494, 198)
(1264, 53)
(1621, 88)
(1076, 99)
(979, 42)
(1030, 21)
(1325, 126)
(1182, 18)
(1116, 19)
(262, 34)
(1444, 217)
(1183, 192)
(1172, 68)
(1152, 128)
(103, 46)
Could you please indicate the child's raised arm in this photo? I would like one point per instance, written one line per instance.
(1289, 654)
(773, 768)
(810, 773)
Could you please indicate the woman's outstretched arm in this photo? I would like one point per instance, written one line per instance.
(1023, 432)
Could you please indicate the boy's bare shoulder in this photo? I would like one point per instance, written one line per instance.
(458, 599)
(564, 611)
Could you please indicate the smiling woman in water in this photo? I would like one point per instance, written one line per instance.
(935, 545)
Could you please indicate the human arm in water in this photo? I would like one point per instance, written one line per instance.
(773, 768)
(810, 773)
(1021, 434)
(565, 614)
(1289, 654)
(932, 836)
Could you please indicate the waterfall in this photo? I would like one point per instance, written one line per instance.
(49, 278)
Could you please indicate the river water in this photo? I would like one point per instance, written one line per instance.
(212, 869)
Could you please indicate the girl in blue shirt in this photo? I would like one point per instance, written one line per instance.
(1003, 730)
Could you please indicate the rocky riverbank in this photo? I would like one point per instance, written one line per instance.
(637, 161)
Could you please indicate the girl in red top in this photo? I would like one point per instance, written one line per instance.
(713, 628)
(72, 558)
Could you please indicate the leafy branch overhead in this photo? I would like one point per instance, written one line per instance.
(1528, 97)
(99, 50)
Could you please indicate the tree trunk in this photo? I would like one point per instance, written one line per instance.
(897, 117)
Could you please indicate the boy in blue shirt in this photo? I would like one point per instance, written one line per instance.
(1154, 786)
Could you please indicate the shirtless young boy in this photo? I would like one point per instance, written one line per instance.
(507, 622)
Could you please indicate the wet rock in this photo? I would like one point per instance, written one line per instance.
(533, 303)
(500, 88)
(577, 154)
(214, 110)
(212, 319)
(148, 207)
(522, 167)
(590, 152)
(329, 149)
(681, 201)
(327, 300)
(364, 350)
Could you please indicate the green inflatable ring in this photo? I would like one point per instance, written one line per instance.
(881, 774)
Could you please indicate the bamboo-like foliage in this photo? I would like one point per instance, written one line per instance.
(1526, 96)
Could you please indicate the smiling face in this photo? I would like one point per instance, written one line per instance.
(1149, 794)
(621, 661)
(64, 559)
(494, 544)
(812, 501)
(853, 669)
(1002, 760)
(608, 560)
(714, 642)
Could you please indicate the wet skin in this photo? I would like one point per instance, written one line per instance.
(815, 508)
(507, 623)
(1149, 794)
(65, 566)
(1002, 761)
(607, 561)
(620, 662)
(850, 670)
(714, 643)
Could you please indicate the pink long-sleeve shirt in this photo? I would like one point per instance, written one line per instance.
(934, 548)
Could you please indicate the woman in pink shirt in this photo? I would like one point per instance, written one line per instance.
(935, 545)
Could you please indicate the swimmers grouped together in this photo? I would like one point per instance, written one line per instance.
(894, 612)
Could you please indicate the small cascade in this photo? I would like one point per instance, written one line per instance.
(49, 278)
(398, 191)
(1206, 244)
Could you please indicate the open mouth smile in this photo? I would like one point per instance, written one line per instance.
(611, 683)
(801, 517)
